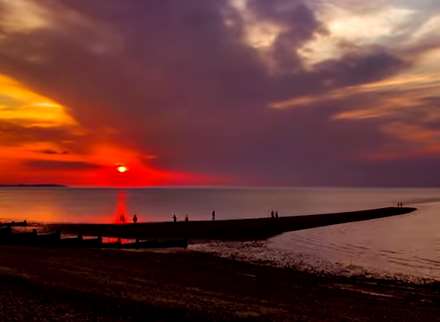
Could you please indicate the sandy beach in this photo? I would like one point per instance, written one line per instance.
(176, 285)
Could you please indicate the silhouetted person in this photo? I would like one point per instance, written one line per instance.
(135, 219)
(272, 214)
(276, 214)
(213, 215)
(174, 218)
(186, 218)
(122, 218)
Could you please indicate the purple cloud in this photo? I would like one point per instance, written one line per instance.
(177, 79)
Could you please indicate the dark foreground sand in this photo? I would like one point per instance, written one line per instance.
(105, 285)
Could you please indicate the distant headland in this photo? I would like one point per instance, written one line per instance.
(33, 185)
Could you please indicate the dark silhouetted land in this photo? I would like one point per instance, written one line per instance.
(36, 185)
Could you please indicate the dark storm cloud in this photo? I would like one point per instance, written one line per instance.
(359, 68)
(175, 80)
(299, 25)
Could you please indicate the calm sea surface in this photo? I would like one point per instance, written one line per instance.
(407, 246)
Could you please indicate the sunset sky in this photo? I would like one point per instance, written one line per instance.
(220, 92)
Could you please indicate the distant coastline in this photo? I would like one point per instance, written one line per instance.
(38, 185)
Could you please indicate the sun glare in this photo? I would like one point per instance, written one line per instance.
(122, 169)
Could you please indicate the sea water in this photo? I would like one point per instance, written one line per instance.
(407, 245)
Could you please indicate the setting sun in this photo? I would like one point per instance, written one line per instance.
(122, 169)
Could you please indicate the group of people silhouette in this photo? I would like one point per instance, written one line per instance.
(122, 218)
(175, 217)
(274, 214)
(400, 204)
(187, 217)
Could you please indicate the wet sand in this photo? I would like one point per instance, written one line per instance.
(110, 285)
(238, 229)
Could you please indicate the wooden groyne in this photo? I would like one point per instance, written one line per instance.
(237, 229)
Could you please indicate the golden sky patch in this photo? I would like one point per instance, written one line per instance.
(21, 105)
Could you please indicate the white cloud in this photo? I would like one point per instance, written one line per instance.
(429, 28)
(258, 34)
(22, 16)
(348, 29)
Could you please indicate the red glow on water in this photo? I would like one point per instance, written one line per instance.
(121, 213)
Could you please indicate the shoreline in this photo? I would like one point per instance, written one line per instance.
(187, 285)
(324, 268)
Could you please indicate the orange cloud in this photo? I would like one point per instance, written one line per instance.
(41, 142)
(19, 104)
(417, 141)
